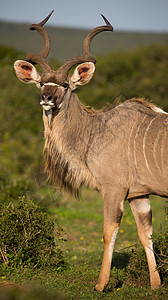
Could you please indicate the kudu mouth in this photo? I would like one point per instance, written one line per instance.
(47, 102)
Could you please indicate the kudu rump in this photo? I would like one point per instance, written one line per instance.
(122, 152)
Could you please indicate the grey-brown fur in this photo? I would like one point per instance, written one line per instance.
(124, 149)
(66, 153)
(85, 137)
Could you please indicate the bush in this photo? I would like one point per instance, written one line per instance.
(161, 250)
(137, 272)
(28, 237)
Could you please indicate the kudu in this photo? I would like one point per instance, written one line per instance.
(122, 152)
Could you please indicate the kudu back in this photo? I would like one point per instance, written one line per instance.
(121, 152)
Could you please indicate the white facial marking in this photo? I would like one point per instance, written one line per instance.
(47, 107)
(51, 83)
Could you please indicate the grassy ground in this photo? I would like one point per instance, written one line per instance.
(82, 245)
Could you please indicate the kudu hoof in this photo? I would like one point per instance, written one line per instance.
(99, 287)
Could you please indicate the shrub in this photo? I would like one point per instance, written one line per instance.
(28, 237)
(161, 250)
(137, 272)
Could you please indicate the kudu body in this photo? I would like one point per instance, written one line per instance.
(121, 152)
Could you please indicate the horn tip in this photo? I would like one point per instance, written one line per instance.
(107, 22)
(34, 26)
(46, 19)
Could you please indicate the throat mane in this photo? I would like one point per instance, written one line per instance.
(64, 169)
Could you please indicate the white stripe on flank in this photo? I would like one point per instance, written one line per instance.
(136, 165)
(154, 149)
(135, 146)
(162, 150)
(129, 147)
(144, 143)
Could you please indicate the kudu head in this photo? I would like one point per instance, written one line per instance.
(56, 86)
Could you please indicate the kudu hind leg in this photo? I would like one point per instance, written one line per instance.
(113, 210)
(143, 216)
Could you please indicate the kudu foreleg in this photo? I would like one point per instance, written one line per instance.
(113, 210)
(143, 216)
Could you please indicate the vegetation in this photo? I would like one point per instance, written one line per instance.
(68, 262)
(161, 249)
(141, 73)
(28, 237)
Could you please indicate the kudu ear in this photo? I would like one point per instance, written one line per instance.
(26, 72)
(82, 74)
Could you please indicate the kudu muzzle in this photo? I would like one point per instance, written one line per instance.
(47, 101)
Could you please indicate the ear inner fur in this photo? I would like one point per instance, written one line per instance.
(26, 72)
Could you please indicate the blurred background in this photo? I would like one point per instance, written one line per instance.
(131, 62)
(135, 23)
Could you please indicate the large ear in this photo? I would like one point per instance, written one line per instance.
(26, 72)
(82, 74)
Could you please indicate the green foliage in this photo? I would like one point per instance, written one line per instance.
(11, 190)
(137, 272)
(28, 237)
(139, 73)
(8, 54)
(21, 135)
(161, 250)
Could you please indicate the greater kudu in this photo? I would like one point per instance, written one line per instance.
(121, 152)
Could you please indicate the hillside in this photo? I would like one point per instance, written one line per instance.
(66, 42)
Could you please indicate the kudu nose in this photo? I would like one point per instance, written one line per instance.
(46, 98)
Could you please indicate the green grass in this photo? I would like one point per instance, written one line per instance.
(82, 245)
(83, 220)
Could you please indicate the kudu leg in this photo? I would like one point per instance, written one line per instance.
(143, 216)
(113, 210)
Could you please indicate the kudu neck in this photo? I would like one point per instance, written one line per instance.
(72, 114)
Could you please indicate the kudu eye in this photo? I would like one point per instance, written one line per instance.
(65, 85)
